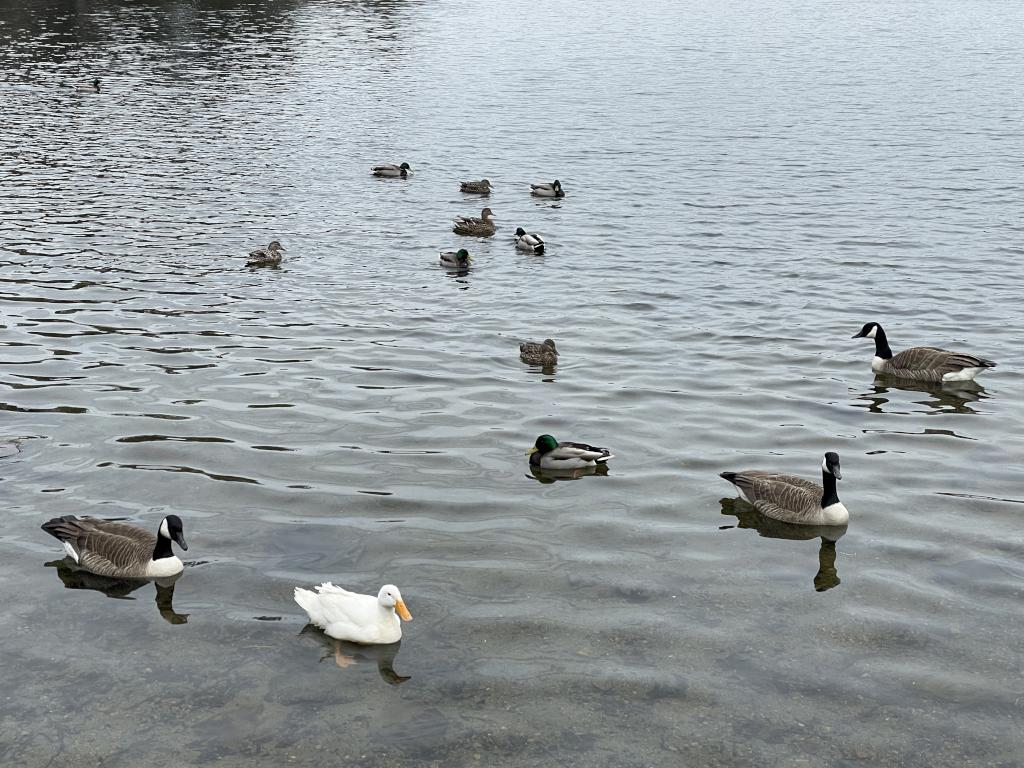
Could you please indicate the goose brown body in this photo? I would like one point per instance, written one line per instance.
(115, 549)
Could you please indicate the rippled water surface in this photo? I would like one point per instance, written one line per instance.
(748, 183)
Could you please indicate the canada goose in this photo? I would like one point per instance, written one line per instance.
(120, 550)
(266, 257)
(538, 354)
(456, 259)
(921, 363)
(548, 453)
(476, 227)
(392, 171)
(547, 190)
(792, 499)
(526, 241)
(357, 618)
(482, 187)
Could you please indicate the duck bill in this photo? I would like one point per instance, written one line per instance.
(180, 538)
(532, 451)
(402, 611)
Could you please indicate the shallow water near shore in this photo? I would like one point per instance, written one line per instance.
(746, 185)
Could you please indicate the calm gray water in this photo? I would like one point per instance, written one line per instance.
(748, 182)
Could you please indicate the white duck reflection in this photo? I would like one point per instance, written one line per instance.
(827, 576)
(345, 654)
(949, 397)
(75, 577)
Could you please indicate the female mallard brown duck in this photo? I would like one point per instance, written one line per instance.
(539, 354)
(476, 227)
(548, 453)
(266, 257)
(482, 187)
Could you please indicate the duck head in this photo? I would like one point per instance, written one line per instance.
(96, 83)
(275, 245)
(462, 256)
(390, 597)
(544, 444)
(550, 343)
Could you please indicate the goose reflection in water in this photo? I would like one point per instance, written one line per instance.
(346, 654)
(75, 577)
(827, 577)
(949, 397)
(548, 476)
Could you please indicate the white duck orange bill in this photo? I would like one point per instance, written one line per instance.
(402, 611)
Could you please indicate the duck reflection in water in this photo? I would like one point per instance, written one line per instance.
(548, 476)
(827, 577)
(346, 654)
(948, 397)
(75, 577)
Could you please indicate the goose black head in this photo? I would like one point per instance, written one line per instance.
(830, 464)
(869, 331)
(171, 528)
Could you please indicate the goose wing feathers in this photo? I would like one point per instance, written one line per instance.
(782, 497)
(105, 547)
(932, 363)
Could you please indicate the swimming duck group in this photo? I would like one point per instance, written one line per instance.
(117, 549)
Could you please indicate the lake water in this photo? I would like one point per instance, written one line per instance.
(747, 183)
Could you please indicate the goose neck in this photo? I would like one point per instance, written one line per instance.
(830, 496)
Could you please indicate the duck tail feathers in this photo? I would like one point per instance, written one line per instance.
(309, 602)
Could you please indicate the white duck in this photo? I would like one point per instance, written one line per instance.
(357, 618)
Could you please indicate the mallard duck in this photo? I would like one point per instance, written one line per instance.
(392, 171)
(459, 258)
(476, 227)
(266, 257)
(482, 187)
(526, 241)
(554, 189)
(539, 354)
(357, 618)
(921, 363)
(120, 550)
(548, 453)
(792, 499)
